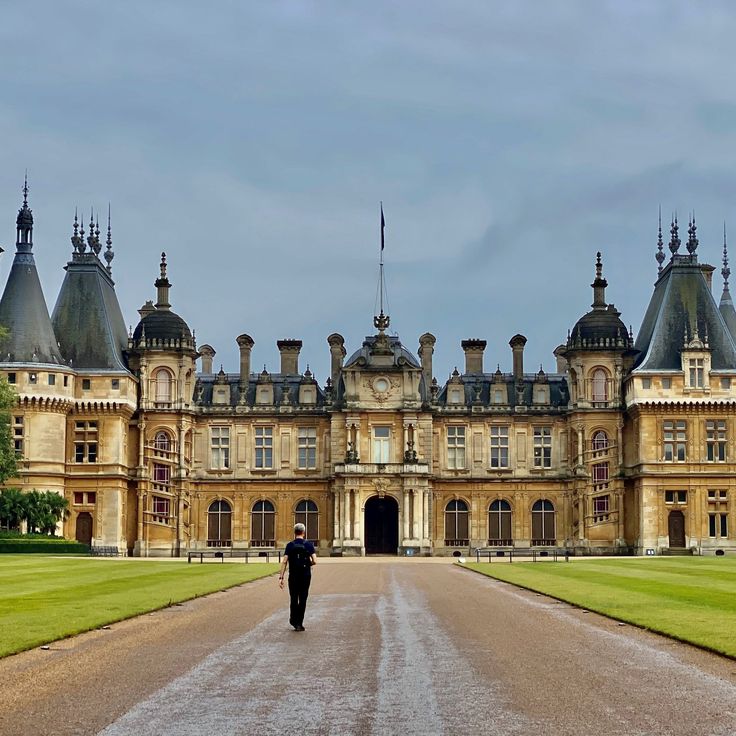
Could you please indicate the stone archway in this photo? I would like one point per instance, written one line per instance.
(381, 526)
(83, 530)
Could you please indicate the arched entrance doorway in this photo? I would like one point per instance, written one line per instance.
(381, 526)
(83, 532)
(676, 528)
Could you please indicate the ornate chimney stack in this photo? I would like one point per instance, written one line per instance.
(289, 350)
(474, 355)
(208, 353)
(426, 350)
(517, 343)
(245, 343)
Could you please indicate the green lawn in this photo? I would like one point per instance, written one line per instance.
(44, 598)
(689, 598)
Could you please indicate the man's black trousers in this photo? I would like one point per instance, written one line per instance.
(298, 590)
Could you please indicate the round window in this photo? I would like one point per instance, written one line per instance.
(381, 384)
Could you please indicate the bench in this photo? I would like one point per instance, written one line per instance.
(221, 554)
(103, 551)
(534, 552)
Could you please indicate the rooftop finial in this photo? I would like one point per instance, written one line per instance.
(381, 321)
(692, 239)
(599, 285)
(660, 244)
(75, 236)
(163, 285)
(725, 271)
(91, 236)
(109, 253)
(25, 190)
(675, 237)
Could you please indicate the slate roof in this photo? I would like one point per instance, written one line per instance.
(728, 312)
(559, 395)
(162, 324)
(87, 318)
(24, 313)
(204, 390)
(401, 356)
(681, 304)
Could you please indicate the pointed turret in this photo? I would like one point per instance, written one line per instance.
(725, 306)
(23, 309)
(683, 305)
(87, 317)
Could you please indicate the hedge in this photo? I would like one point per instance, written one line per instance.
(46, 546)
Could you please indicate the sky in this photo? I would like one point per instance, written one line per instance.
(253, 142)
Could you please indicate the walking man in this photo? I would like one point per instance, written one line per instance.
(300, 558)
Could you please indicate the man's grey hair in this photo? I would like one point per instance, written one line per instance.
(299, 528)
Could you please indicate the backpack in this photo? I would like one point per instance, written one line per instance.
(300, 562)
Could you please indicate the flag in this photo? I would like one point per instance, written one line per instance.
(383, 225)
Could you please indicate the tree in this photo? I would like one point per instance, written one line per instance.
(13, 507)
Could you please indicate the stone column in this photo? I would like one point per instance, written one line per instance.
(346, 514)
(336, 517)
(415, 521)
(425, 514)
(405, 514)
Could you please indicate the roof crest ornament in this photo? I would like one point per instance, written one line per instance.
(725, 271)
(675, 237)
(692, 240)
(109, 252)
(660, 244)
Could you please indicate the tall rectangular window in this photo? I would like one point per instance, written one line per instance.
(264, 448)
(499, 446)
(542, 447)
(85, 442)
(675, 441)
(696, 372)
(718, 514)
(381, 444)
(18, 435)
(307, 448)
(220, 447)
(715, 430)
(455, 447)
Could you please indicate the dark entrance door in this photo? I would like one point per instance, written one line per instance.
(381, 526)
(84, 528)
(676, 524)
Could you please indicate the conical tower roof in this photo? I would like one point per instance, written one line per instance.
(725, 306)
(87, 317)
(681, 307)
(23, 310)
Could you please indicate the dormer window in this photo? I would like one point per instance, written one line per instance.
(696, 357)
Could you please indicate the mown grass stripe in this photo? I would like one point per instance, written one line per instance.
(690, 599)
(44, 599)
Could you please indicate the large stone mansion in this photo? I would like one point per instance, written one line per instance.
(628, 447)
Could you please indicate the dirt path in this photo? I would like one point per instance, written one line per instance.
(391, 647)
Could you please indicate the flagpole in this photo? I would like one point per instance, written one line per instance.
(383, 225)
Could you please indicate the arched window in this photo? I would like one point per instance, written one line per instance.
(543, 523)
(456, 524)
(499, 524)
(307, 513)
(262, 527)
(600, 441)
(163, 382)
(162, 443)
(600, 385)
(219, 524)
